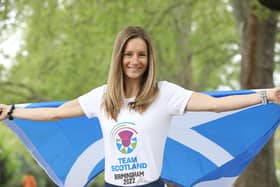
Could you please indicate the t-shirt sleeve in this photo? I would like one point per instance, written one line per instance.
(91, 101)
(175, 96)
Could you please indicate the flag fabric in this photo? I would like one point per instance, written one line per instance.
(203, 149)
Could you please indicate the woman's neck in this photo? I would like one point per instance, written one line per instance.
(131, 89)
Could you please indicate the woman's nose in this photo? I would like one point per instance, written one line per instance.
(135, 59)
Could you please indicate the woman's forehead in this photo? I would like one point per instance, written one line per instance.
(137, 44)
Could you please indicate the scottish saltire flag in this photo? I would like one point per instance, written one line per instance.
(203, 149)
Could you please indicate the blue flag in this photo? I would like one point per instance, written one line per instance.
(203, 149)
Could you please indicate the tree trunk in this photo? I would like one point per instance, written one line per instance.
(257, 51)
(271, 4)
(182, 26)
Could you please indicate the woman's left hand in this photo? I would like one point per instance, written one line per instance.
(274, 95)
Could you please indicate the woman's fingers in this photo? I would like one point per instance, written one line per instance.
(3, 111)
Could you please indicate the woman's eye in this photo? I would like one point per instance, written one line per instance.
(142, 55)
(128, 54)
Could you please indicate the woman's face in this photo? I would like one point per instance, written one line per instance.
(135, 59)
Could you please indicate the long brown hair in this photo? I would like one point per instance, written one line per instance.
(114, 95)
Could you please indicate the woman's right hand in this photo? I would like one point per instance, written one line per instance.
(4, 109)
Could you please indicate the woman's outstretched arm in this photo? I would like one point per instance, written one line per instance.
(203, 102)
(69, 109)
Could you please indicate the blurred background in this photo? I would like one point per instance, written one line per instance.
(60, 49)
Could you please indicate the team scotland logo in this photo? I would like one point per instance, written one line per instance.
(125, 138)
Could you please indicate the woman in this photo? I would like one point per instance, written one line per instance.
(135, 111)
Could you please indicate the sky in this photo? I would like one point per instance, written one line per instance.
(11, 44)
(10, 47)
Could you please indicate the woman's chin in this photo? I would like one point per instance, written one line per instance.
(133, 76)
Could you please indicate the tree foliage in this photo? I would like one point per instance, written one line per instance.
(71, 42)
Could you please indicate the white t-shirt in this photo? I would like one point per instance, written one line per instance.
(134, 144)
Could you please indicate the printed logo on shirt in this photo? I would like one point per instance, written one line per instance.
(127, 169)
(124, 137)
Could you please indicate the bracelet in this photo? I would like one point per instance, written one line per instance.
(263, 96)
(9, 114)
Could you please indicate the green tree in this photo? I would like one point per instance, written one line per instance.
(258, 37)
(66, 48)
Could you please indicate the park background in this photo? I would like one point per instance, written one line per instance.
(60, 49)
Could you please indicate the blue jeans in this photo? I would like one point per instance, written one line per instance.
(158, 183)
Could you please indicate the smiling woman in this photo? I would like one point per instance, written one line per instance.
(132, 72)
(135, 111)
(135, 62)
